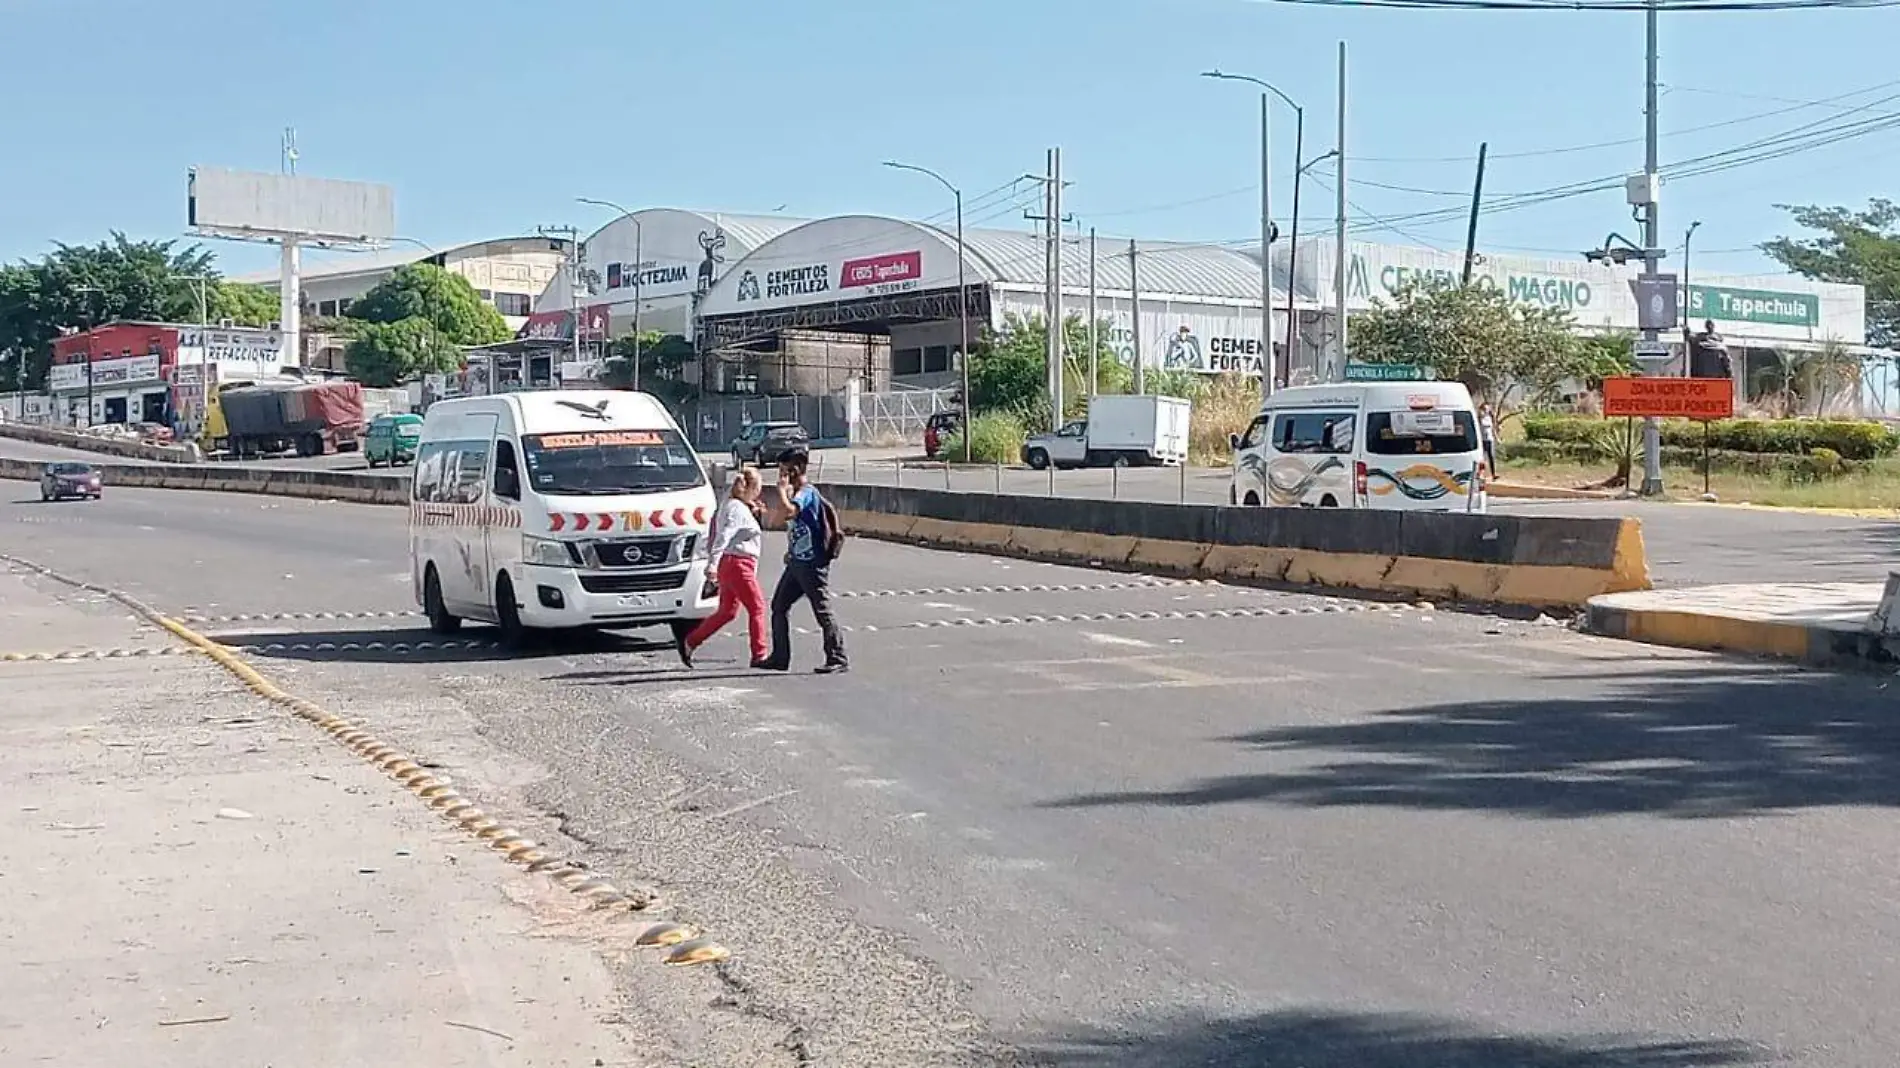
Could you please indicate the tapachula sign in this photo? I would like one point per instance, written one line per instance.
(1764, 306)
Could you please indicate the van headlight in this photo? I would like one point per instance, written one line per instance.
(547, 552)
(698, 547)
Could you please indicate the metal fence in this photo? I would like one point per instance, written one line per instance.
(898, 416)
(714, 423)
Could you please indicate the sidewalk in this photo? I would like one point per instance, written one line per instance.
(193, 878)
(1823, 623)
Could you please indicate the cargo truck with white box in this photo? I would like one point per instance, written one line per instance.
(1120, 431)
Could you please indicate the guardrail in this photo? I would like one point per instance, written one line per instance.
(1535, 561)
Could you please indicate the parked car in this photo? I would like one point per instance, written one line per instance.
(153, 433)
(940, 426)
(392, 440)
(69, 479)
(764, 443)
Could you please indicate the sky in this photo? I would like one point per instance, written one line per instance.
(490, 117)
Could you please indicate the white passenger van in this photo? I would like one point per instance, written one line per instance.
(556, 509)
(1411, 445)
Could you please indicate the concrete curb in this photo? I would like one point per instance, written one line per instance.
(1819, 644)
(434, 791)
(1527, 492)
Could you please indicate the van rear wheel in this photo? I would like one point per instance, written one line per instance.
(1328, 501)
(440, 621)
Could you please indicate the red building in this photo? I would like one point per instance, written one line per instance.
(126, 368)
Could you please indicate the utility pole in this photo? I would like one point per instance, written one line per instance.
(1471, 227)
(1338, 368)
(1052, 220)
(1056, 330)
(1285, 368)
(1134, 300)
(1095, 344)
(1652, 236)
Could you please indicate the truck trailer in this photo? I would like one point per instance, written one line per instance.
(311, 418)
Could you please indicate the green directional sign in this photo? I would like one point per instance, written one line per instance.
(1387, 372)
(1766, 306)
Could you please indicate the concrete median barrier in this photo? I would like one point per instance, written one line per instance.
(1537, 561)
(125, 448)
(315, 484)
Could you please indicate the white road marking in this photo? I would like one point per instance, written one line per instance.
(1116, 639)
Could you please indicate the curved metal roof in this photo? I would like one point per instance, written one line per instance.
(1179, 268)
(751, 231)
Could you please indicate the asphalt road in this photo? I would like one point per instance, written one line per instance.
(1181, 825)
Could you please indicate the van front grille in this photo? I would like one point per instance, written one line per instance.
(638, 582)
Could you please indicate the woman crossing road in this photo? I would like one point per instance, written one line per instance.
(736, 543)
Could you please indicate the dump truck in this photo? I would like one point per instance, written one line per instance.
(266, 418)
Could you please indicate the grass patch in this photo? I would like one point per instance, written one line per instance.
(1872, 486)
(995, 438)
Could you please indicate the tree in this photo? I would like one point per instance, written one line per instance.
(1501, 351)
(441, 297)
(388, 354)
(1854, 247)
(1009, 367)
(80, 286)
(242, 303)
(662, 357)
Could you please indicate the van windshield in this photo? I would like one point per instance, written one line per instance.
(1429, 433)
(601, 462)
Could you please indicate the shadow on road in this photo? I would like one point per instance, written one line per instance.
(473, 644)
(1723, 738)
(1316, 1039)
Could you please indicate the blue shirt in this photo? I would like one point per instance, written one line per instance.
(806, 534)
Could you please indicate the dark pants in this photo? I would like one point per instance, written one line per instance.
(813, 583)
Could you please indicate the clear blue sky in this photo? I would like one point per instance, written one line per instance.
(489, 116)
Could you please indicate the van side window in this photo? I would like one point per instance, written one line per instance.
(469, 472)
(507, 482)
(1314, 432)
(427, 485)
(1256, 435)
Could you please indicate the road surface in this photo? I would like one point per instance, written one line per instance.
(1179, 825)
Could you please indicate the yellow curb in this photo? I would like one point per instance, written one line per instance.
(1795, 509)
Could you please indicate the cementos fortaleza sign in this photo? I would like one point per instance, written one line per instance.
(1175, 336)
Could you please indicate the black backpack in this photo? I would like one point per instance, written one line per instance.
(834, 530)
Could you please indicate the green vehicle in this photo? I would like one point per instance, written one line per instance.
(392, 440)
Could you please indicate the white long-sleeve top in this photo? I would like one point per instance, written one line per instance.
(736, 531)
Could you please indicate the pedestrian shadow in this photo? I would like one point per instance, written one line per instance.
(473, 644)
(1312, 1038)
(670, 675)
(1724, 738)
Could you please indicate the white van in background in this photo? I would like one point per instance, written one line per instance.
(1411, 445)
(558, 509)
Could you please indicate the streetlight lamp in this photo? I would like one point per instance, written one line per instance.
(963, 295)
(639, 272)
(1266, 215)
(1686, 302)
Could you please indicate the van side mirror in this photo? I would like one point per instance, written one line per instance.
(507, 483)
(1233, 442)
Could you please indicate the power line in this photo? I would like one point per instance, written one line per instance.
(1794, 106)
(1599, 5)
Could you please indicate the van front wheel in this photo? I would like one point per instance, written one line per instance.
(1037, 459)
(508, 614)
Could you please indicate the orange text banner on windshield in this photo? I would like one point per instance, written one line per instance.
(598, 439)
(1680, 398)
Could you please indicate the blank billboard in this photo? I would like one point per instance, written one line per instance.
(221, 200)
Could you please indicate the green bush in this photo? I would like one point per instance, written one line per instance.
(1818, 466)
(1850, 439)
(995, 438)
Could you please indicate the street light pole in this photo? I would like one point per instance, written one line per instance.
(963, 295)
(1686, 302)
(89, 324)
(639, 272)
(1270, 362)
